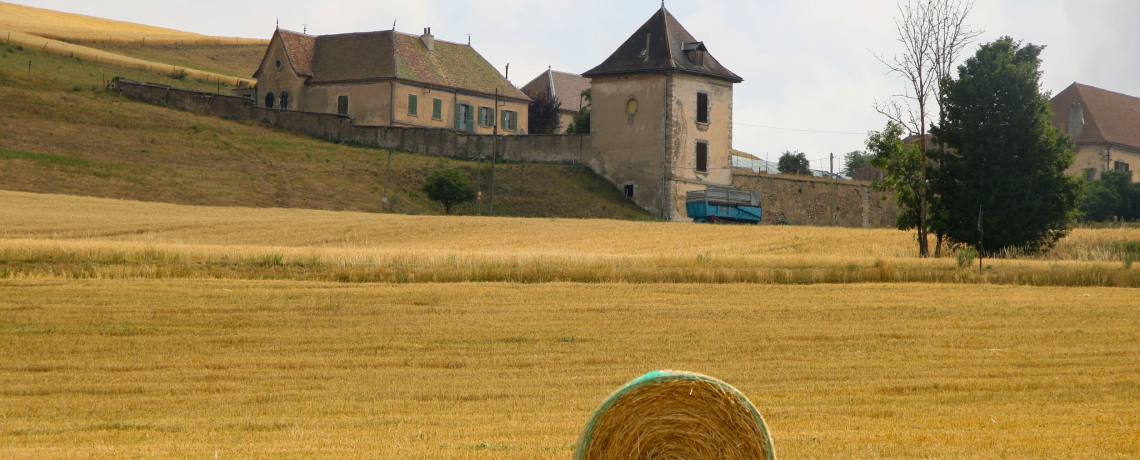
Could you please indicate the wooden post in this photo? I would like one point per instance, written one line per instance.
(29, 68)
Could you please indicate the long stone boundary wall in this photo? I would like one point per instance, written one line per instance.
(554, 149)
(797, 201)
(819, 202)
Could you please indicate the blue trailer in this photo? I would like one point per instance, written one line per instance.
(723, 205)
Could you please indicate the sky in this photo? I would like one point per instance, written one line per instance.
(808, 65)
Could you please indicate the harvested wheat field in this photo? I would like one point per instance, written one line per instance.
(79, 28)
(285, 369)
(53, 235)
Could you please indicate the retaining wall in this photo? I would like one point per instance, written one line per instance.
(819, 202)
(556, 149)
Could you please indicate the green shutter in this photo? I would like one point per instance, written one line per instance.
(437, 109)
(413, 105)
(458, 120)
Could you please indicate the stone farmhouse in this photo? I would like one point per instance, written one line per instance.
(389, 78)
(1103, 127)
(566, 87)
(661, 117)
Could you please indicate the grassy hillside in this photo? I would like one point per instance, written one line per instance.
(233, 60)
(79, 28)
(62, 133)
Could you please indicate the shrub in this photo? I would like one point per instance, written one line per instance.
(178, 74)
(966, 257)
(449, 187)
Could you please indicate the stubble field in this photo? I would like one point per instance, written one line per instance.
(145, 330)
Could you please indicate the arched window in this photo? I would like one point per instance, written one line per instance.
(284, 101)
(269, 101)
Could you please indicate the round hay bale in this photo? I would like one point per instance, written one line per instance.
(676, 415)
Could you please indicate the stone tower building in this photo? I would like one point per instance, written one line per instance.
(661, 117)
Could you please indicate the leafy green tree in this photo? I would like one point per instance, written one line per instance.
(1005, 159)
(855, 160)
(794, 163)
(581, 123)
(1114, 195)
(449, 187)
(901, 164)
(544, 115)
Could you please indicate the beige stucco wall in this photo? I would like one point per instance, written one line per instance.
(567, 119)
(368, 102)
(685, 133)
(275, 80)
(630, 147)
(1092, 157)
(449, 99)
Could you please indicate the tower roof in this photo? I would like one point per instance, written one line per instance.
(662, 45)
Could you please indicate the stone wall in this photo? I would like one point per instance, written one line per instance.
(819, 202)
(556, 149)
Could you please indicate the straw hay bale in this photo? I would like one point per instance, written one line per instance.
(676, 415)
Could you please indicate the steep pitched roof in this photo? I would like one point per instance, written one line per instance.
(567, 87)
(1110, 117)
(659, 46)
(391, 54)
(298, 48)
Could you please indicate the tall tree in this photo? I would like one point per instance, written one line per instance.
(932, 33)
(794, 163)
(1006, 160)
(544, 115)
(852, 161)
(900, 162)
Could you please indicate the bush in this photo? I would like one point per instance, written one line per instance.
(449, 187)
(966, 257)
(178, 74)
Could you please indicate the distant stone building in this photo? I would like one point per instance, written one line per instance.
(1103, 127)
(566, 87)
(389, 78)
(662, 117)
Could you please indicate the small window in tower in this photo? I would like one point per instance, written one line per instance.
(278, 64)
(342, 105)
(629, 190)
(1120, 166)
(702, 108)
(702, 157)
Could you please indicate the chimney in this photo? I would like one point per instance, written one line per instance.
(1076, 121)
(429, 40)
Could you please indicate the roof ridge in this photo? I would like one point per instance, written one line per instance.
(668, 42)
(1080, 85)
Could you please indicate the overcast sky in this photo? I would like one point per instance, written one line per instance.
(806, 64)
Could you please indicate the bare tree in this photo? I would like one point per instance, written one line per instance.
(933, 33)
(951, 35)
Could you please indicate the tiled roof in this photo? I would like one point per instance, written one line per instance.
(567, 87)
(298, 47)
(390, 54)
(659, 46)
(1109, 117)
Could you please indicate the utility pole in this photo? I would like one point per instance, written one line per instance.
(387, 171)
(494, 152)
(834, 192)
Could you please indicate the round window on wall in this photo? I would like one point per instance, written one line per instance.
(278, 64)
(631, 106)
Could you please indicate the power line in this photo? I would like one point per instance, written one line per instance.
(801, 130)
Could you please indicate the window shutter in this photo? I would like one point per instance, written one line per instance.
(458, 117)
(413, 105)
(437, 108)
(702, 108)
(702, 157)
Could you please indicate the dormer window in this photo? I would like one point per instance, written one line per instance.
(695, 52)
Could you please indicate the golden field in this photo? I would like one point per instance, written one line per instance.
(79, 28)
(249, 369)
(75, 237)
(133, 329)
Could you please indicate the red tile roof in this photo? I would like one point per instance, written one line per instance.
(1110, 117)
(567, 87)
(391, 54)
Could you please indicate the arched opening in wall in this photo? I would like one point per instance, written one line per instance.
(269, 101)
(284, 101)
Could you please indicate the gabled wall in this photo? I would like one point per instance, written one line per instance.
(275, 80)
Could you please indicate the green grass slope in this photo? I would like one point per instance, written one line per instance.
(60, 132)
(233, 60)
